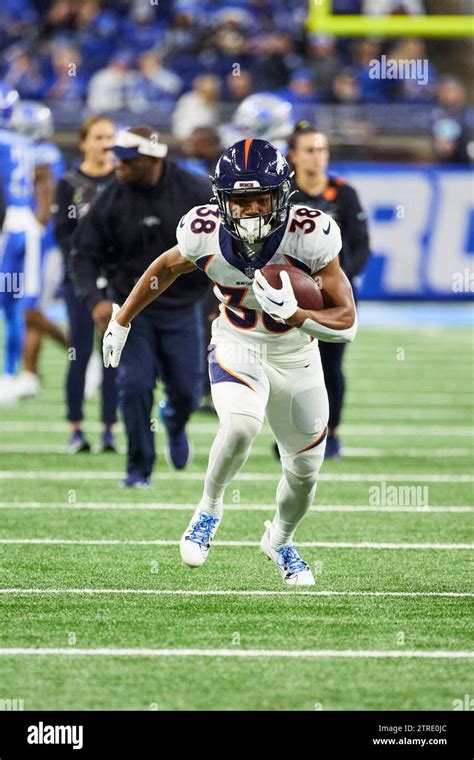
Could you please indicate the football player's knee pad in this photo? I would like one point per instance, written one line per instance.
(304, 466)
(240, 430)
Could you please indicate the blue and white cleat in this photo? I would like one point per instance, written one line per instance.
(196, 541)
(136, 481)
(292, 568)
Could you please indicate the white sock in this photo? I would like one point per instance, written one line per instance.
(228, 454)
(212, 505)
(294, 497)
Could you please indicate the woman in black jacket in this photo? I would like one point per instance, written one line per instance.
(314, 186)
(74, 195)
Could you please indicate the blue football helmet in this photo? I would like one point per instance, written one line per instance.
(9, 100)
(248, 167)
(34, 120)
(264, 115)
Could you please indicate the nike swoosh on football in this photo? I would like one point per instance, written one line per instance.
(326, 232)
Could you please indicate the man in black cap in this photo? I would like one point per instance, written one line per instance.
(134, 220)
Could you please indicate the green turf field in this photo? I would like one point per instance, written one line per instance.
(88, 566)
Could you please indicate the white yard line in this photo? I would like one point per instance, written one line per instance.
(227, 544)
(210, 427)
(261, 653)
(245, 476)
(236, 593)
(186, 506)
(360, 399)
(265, 451)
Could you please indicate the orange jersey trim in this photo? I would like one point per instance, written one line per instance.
(237, 377)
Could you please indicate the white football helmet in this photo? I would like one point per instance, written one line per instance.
(264, 115)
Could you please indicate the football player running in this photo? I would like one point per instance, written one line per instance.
(263, 358)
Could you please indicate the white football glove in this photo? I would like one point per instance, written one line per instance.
(115, 338)
(281, 303)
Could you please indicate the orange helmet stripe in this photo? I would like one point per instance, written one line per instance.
(248, 143)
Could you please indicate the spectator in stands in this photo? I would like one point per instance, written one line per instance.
(451, 95)
(271, 58)
(60, 18)
(450, 122)
(226, 44)
(393, 7)
(450, 142)
(17, 22)
(198, 108)
(323, 60)
(372, 90)
(238, 87)
(301, 88)
(409, 89)
(24, 74)
(109, 89)
(181, 43)
(346, 6)
(345, 87)
(142, 30)
(97, 34)
(201, 150)
(68, 82)
(152, 83)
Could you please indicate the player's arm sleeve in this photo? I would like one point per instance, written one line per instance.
(192, 245)
(86, 262)
(355, 234)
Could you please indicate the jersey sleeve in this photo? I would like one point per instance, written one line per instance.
(197, 234)
(312, 238)
(326, 244)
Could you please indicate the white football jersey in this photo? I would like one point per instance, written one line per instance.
(309, 240)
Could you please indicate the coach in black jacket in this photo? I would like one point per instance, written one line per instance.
(134, 221)
(308, 151)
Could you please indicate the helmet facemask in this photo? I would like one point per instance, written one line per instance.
(254, 229)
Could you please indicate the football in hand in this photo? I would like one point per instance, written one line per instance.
(307, 293)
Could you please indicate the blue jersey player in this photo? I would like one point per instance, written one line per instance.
(20, 236)
(35, 121)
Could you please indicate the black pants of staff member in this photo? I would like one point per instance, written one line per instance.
(331, 359)
(170, 346)
(81, 327)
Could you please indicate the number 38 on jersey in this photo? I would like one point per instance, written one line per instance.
(310, 239)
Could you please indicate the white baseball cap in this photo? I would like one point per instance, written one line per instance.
(129, 145)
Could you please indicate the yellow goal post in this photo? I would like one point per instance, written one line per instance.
(321, 20)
